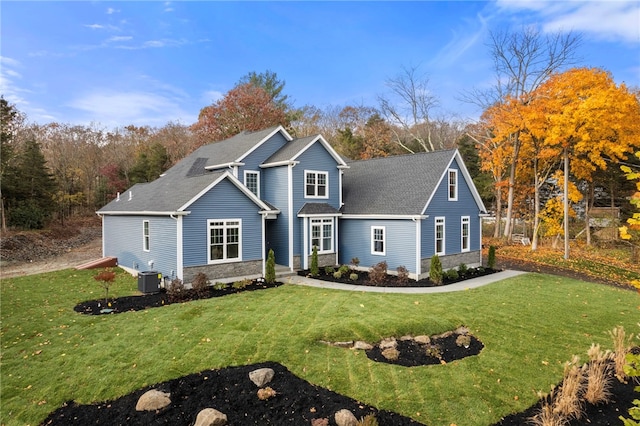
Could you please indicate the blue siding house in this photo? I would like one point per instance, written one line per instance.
(222, 208)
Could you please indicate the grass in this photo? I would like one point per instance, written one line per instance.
(530, 325)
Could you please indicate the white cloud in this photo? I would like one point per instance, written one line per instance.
(135, 107)
(461, 42)
(167, 6)
(119, 38)
(606, 20)
(111, 11)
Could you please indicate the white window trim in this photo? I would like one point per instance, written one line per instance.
(321, 222)
(225, 227)
(316, 196)
(439, 221)
(384, 241)
(455, 173)
(465, 220)
(254, 172)
(146, 236)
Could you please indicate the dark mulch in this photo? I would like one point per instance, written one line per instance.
(412, 353)
(605, 414)
(230, 391)
(162, 298)
(392, 280)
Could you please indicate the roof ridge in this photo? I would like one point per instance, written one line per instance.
(404, 155)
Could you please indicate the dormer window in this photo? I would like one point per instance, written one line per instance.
(453, 184)
(316, 184)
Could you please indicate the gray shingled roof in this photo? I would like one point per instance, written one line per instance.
(187, 178)
(398, 185)
(290, 150)
(317, 208)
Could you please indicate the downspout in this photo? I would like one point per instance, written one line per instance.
(290, 208)
(417, 220)
(305, 243)
(337, 241)
(179, 248)
(264, 244)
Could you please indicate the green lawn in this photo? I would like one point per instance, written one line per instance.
(530, 326)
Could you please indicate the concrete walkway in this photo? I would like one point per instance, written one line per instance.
(460, 286)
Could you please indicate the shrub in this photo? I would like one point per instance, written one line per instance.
(329, 270)
(220, 286)
(632, 369)
(403, 275)
(176, 290)
(270, 272)
(353, 277)
(491, 258)
(451, 274)
(344, 269)
(239, 285)
(314, 262)
(463, 269)
(378, 273)
(200, 284)
(355, 262)
(435, 270)
(337, 275)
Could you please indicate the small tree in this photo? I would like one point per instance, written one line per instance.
(435, 270)
(270, 272)
(314, 262)
(105, 278)
(631, 233)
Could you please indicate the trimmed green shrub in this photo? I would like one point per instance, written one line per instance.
(463, 269)
(435, 270)
(337, 275)
(344, 269)
(329, 270)
(491, 258)
(270, 272)
(353, 277)
(314, 262)
(452, 274)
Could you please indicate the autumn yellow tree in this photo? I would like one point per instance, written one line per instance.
(591, 119)
(631, 233)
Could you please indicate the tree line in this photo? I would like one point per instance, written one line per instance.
(544, 119)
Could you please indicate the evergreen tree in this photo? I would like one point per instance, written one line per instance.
(32, 199)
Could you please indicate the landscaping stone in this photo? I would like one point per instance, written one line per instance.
(153, 400)
(211, 417)
(261, 376)
(345, 418)
(387, 343)
(423, 339)
(364, 346)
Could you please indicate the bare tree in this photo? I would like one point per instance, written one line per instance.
(408, 108)
(523, 60)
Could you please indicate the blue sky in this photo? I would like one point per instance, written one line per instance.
(147, 63)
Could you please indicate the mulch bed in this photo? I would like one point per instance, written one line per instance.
(229, 390)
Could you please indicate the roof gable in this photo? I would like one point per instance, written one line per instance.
(398, 185)
(294, 149)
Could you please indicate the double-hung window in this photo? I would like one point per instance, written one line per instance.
(225, 242)
(464, 233)
(316, 184)
(453, 184)
(146, 236)
(378, 243)
(252, 181)
(439, 233)
(322, 235)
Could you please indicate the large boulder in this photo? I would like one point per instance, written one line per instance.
(153, 400)
(261, 376)
(211, 417)
(345, 418)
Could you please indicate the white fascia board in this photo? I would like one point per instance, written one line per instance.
(279, 163)
(328, 147)
(320, 215)
(280, 129)
(224, 165)
(385, 217)
(143, 213)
